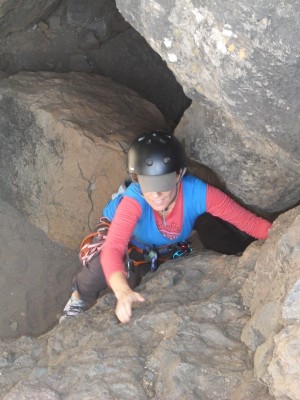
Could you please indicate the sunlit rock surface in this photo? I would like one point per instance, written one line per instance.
(272, 292)
(239, 63)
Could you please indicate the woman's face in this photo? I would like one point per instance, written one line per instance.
(159, 201)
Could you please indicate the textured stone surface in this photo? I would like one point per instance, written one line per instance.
(239, 63)
(193, 337)
(186, 340)
(129, 59)
(15, 15)
(62, 141)
(255, 169)
(90, 36)
(284, 367)
(182, 343)
(272, 293)
(35, 276)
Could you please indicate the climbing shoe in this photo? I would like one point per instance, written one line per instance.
(73, 308)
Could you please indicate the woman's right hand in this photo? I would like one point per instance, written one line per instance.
(125, 296)
(124, 304)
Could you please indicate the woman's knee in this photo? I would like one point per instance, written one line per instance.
(90, 280)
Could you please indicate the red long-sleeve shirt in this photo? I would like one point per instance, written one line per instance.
(129, 211)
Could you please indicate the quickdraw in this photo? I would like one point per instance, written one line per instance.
(153, 256)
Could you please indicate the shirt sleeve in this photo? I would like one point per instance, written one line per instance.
(220, 205)
(119, 234)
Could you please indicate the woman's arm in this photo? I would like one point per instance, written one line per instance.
(222, 206)
(118, 237)
(113, 252)
(125, 296)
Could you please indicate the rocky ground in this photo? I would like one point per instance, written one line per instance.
(201, 333)
(182, 343)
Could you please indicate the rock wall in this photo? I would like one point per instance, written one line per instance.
(16, 15)
(212, 326)
(35, 276)
(272, 293)
(239, 64)
(90, 36)
(62, 143)
(184, 341)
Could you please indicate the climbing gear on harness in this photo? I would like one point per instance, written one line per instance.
(128, 264)
(153, 256)
(158, 255)
(136, 256)
(184, 248)
(92, 243)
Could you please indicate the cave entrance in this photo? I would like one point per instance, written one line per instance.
(93, 37)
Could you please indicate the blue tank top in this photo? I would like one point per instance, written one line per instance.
(146, 232)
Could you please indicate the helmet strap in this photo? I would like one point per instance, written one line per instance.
(183, 171)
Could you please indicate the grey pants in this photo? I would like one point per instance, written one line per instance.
(90, 280)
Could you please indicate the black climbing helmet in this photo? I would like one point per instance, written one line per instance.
(155, 153)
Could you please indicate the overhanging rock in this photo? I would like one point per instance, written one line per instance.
(239, 63)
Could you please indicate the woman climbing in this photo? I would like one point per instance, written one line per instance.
(150, 222)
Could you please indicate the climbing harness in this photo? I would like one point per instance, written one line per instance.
(136, 256)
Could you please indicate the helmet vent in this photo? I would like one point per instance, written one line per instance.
(141, 138)
(149, 141)
(149, 162)
(162, 141)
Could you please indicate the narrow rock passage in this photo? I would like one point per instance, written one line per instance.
(182, 343)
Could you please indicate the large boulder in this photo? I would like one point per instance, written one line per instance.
(238, 62)
(62, 144)
(272, 293)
